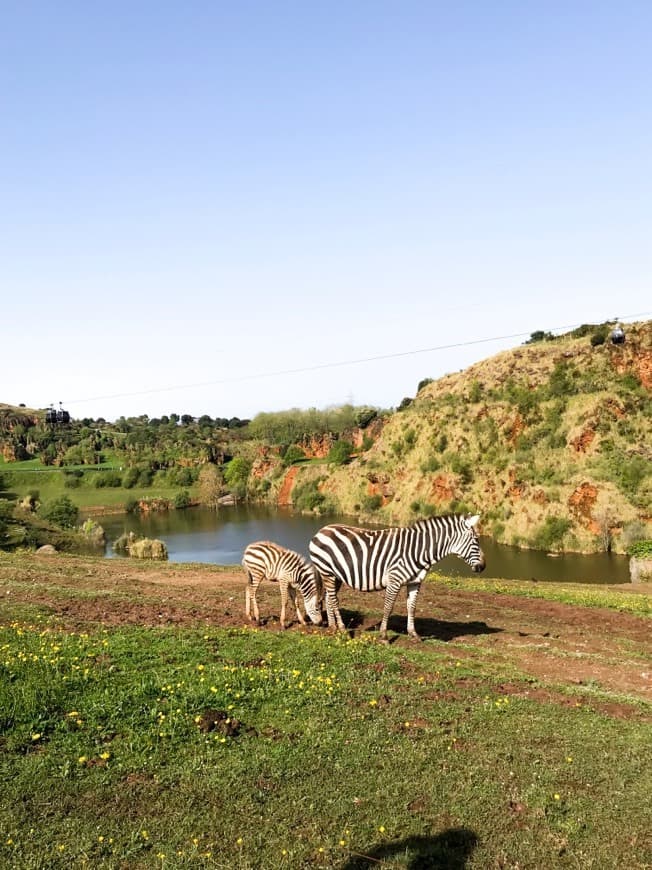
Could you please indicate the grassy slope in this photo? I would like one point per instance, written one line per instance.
(521, 463)
(344, 749)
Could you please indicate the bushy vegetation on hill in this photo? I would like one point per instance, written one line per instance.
(550, 442)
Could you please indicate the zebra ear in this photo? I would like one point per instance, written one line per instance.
(471, 522)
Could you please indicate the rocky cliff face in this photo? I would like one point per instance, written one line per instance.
(551, 443)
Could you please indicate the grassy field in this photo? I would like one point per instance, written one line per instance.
(21, 478)
(208, 745)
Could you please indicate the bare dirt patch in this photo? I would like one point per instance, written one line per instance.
(583, 648)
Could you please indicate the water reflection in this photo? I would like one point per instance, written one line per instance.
(219, 537)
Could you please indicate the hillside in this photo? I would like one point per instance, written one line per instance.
(551, 442)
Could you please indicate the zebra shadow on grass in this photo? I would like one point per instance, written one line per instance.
(449, 850)
(426, 627)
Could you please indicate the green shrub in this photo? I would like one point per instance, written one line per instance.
(562, 380)
(441, 443)
(625, 470)
(539, 335)
(457, 506)
(410, 437)
(371, 503)
(182, 500)
(293, 454)
(551, 533)
(236, 475)
(6, 510)
(475, 391)
(180, 476)
(108, 479)
(60, 511)
(423, 509)
(641, 549)
(130, 478)
(460, 466)
(364, 416)
(633, 533)
(306, 497)
(145, 477)
(431, 464)
(599, 337)
(340, 452)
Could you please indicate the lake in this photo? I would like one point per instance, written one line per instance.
(219, 538)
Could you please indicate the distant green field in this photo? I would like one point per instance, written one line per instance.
(22, 478)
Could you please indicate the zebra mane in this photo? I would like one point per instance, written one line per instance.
(440, 519)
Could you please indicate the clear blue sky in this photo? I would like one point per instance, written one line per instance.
(196, 197)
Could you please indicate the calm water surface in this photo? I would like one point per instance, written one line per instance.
(219, 538)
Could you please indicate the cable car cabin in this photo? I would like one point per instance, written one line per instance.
(617, 335)
(58, 417)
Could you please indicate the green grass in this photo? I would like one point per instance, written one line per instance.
(344, 749)
(23, 477)
(582, 595)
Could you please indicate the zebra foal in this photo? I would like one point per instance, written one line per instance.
(375, 559)
(267, 560)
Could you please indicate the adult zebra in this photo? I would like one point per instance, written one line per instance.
(374, 559)
(265, 559)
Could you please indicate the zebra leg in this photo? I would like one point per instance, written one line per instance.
(331, 588)
(412, 592)
(295, 601)
(283, 585)
(250, 598)
(390, 597)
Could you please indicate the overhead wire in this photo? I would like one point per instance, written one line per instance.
(334, 364)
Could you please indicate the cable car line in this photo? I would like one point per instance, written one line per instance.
(331, 365)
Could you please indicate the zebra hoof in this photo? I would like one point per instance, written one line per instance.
(416, 637)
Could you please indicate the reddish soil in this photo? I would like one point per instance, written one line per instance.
(556, 646)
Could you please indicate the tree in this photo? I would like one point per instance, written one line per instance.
(236, 474)
(60, 511)
(294, 453)
(340, 452)
(210, 485)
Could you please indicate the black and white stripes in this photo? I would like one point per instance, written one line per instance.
(374, 559)
(267, 560)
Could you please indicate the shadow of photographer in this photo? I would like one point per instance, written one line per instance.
(449, 850)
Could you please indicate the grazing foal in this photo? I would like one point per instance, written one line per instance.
(267, 560)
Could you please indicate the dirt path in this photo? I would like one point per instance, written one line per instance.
(557, 645)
